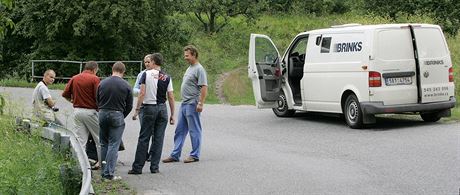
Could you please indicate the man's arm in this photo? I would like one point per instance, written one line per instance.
(67, 93)
(50, 102)
(171, 106)
(129, 103)
(137, 85)
(203, 93)
(140, 99)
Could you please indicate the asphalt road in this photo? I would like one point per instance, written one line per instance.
(250, 151)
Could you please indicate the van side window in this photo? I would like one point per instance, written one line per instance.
(326, 45)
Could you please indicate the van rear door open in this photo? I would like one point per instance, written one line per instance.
(434, 61)
(264, 71)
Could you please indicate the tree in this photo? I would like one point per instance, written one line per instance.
(5, 22)
(215, 14)
(445, 12)
(88, 30)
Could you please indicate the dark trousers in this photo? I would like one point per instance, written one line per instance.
(154, 121)
(112, 125)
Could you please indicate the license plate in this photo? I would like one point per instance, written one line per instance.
(398, 81)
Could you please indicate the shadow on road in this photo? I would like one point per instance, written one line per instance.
(383, 122)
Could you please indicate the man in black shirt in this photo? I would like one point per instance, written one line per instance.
(115, 101)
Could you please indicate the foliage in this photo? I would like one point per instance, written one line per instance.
(5, 22)
(88, 30)
(2, 104)
(314, 7)
(28, 164)
(215, 14)
(446, 12)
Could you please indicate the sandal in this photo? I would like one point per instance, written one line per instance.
(96, 166)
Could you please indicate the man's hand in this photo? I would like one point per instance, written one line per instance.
(199, 107)
(135, 114)
(171, 120)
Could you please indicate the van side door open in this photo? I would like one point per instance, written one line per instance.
(264, 71)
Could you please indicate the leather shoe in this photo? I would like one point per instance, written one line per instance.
(133, 172)
(169, 160)
(191, 159)
(155, 171)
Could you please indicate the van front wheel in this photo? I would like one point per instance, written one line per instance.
(352, 112)
(282, 109)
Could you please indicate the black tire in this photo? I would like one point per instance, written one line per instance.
(430, 117)
(352, 112)
(282, 109)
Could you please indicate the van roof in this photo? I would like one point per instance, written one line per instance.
(358, 27)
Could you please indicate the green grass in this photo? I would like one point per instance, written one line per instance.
(11, 82)
(27, 163)
(110, 187)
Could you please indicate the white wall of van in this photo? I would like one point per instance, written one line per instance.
(360, 71)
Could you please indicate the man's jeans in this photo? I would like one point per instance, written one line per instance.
(112, 125)
(188, 120)
(154, 121)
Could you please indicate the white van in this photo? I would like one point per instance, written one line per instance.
(356, 70)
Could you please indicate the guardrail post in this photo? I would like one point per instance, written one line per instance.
(65, 143)
(56, 141)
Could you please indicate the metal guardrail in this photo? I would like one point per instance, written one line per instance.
(63, 139)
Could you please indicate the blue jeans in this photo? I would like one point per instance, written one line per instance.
(188, 121)
(154, 121)
(112, 125)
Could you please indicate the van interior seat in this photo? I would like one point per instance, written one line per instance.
(295, 71)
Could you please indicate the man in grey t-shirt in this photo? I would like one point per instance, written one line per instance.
(194, 89)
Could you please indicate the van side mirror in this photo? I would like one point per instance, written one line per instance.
(318, 40)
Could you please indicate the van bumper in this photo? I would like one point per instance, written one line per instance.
(379, 108)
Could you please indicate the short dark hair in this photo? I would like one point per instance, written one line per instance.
(157, 58)
(119, 67)
(192, 49)
(91, 65)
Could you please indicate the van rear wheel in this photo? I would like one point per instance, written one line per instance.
(430, 117)
(282, 109)
(352, 112)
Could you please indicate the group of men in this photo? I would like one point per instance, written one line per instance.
(101, 108)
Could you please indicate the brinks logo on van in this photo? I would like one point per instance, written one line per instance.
(434, 62)
(348, 47)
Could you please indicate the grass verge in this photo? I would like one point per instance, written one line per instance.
(110, 187)
(27, 163)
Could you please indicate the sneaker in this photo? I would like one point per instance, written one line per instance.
(133, 172)
(191, 159)
(116, 178)
(169, 160)
(113, 178)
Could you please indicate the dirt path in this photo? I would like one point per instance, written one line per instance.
(220, 85)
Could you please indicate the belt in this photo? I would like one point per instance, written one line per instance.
(159, 104)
